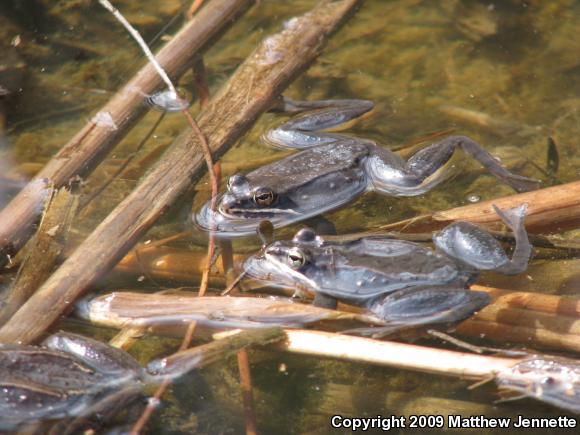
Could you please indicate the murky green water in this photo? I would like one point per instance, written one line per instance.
(505, 73)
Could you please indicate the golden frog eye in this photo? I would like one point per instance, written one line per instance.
(263, 197)
(296, 258)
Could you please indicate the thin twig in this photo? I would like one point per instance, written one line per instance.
(247, 392)
(152, 405)
(193, 8)
(140, 424)
(214, 191)
(200, 81)
(135, 34)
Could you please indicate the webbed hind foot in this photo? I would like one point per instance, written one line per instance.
(307, 130)
(472, 245)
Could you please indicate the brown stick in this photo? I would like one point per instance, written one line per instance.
(553, 209)
(530, 319)
(162, 388)
(248, 93)
(200, 82)
(247, 392)
(92, 143)
(551, 304)
(162, 262)
(193, 8)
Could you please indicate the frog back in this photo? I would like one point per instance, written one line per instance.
(365, 269)
(299, 169)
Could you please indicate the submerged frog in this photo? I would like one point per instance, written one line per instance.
(399, 281)
(554, 380)
(332, 170)
(69, 376)
(74, 376)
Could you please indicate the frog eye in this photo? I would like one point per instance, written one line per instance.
(548, 380)
(305, 235)
(263, 196)
(296, 258)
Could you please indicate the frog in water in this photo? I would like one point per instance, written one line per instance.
(401, 282)
(68, 376)
(74, 376)
(333, 169)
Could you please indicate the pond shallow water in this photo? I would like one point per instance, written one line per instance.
(507, 74)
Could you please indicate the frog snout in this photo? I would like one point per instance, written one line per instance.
(228, 202)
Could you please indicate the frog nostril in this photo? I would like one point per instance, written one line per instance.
(227, 203)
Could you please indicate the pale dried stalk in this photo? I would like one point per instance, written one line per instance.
(144, 47)
(392, 354)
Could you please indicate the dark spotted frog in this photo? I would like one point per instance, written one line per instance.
(333, 169)
(74, 376)
(399, 281)
(69, 376)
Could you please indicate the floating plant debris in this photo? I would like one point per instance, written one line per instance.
(169, 101)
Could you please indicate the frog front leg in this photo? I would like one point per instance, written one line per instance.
(475, 247)
(391, 174)
(306, 130)
(102, 357)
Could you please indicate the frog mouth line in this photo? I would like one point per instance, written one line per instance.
(225, 223)
(243, 213)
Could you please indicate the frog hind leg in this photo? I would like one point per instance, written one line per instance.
(421, 307)
(428, 160)
(306, 130)
(475, 247)
(432, 165)
(324, 301)
(322, 226)
(102, 409)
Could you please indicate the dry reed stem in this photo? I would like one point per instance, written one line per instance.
(552, 209)
(392, 354)
(44, 250)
